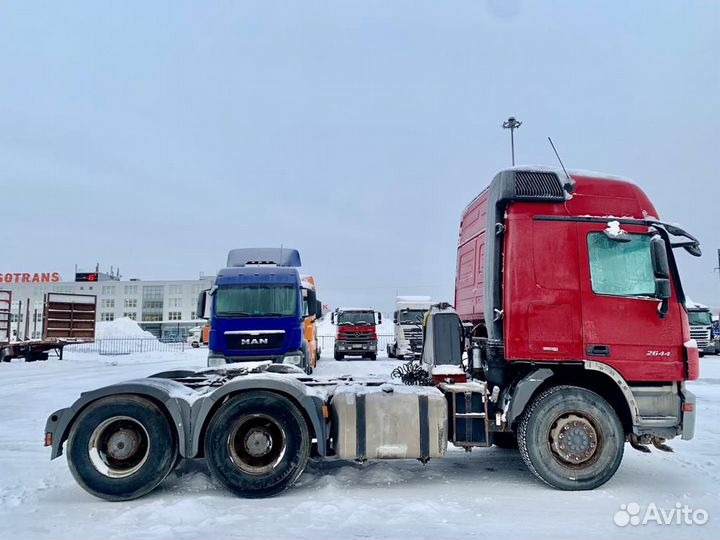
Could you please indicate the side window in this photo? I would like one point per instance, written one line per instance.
(621, 268)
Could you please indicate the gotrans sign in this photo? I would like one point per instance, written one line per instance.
(26, 277)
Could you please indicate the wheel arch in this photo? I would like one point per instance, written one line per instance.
(176, 411)
(594, 376)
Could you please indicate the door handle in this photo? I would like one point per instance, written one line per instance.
(598, 350)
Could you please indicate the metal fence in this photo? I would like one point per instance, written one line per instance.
(327, 342)
(127, 345)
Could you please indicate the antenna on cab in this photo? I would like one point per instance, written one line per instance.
(570, 186)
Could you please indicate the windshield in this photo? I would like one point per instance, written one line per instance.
(699, 318)
(410, 316)
(356, 318)
(255, 300)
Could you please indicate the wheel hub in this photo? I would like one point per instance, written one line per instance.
(123, 444)
(119, 447)
(258, 442)
(573, 438)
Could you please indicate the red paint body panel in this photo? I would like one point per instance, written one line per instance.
(550, 310)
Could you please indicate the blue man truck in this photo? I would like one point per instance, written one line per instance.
(258, 306)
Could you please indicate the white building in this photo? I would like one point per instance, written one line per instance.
(165, 308)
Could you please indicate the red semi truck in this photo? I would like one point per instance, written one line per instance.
(580, 343)
(572, 291)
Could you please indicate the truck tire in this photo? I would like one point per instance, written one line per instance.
(121, 447)
(257, 444)
(571, 438)
(339, 356)
(372, 356)
(507, 441)
(195, 345)
(389, 351)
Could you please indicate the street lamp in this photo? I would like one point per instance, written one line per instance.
(512, 124)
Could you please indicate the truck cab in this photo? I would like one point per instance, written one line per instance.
(701, 330)
(407, 326)
(258, 308)
(356, 334)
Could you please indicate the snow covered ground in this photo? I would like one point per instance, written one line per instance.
(486, 493)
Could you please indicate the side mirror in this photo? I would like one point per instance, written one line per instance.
(658, 254)
(201, 305)
(661, 270)
(332, 318)
(395, 317)
(662, 288)
(379, 317)
(318, 309)
(311, 300)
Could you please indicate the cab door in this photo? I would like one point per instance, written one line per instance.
(620, 309)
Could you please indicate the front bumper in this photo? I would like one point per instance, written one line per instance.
(351, 347)
(219, 359)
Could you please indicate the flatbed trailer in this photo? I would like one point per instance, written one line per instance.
(68, 319)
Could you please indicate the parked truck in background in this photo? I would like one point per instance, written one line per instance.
(356, 333)
(198, 335)
(407, 326)
(258, 308)
(581, 343)
(700, 320)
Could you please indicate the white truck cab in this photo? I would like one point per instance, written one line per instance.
(700, 322)
(408, 321)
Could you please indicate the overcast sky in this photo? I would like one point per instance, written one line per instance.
(155, 136)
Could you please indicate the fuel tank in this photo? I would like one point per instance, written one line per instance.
(389, 422)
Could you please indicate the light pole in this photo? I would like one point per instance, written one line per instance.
(512, 124)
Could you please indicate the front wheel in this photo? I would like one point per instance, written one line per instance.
(121, 447)
(257, 444)
(372, 356)
(339, 356)
(571, 438)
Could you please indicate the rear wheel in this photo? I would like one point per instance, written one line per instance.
(121, 447)
(257, 444)
(571, 438)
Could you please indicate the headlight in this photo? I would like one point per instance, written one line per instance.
(294, 359)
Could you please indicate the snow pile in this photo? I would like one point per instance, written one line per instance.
(692, 304)
(447, 369)
(613, 228)
(123, 327)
